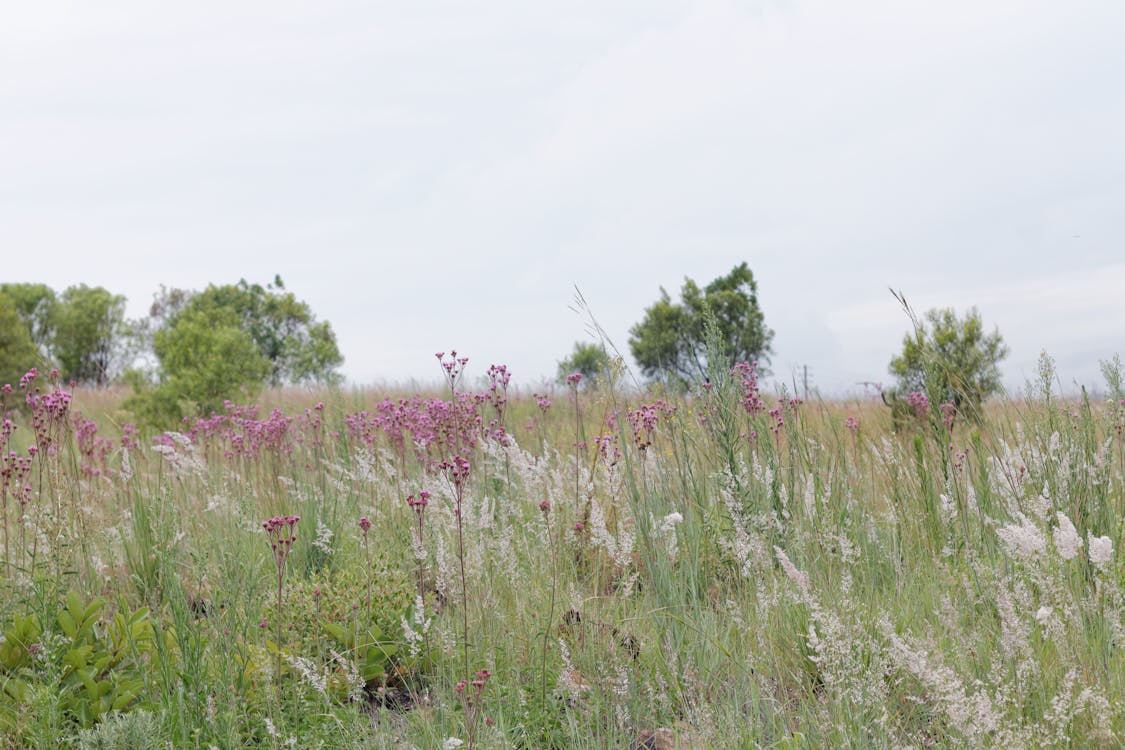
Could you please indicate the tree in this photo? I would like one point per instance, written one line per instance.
(206, 357)
(18, 352)
(87, 330)
(226, 342)
(672, 338)
(34, 303)
(299, 348)
(589, 359)
(951, 359)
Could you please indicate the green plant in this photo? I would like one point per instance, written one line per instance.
(92, 668)
(672, 338)
(138, 730)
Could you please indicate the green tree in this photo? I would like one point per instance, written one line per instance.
(18, 353)
(205, 357)
(35, 304)
(672, 338)
(951, 359)
(591, 360)
(299, 348)
(87, 333)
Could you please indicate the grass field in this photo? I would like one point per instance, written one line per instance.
(580, 569)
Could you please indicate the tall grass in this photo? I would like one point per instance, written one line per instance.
(721, 569)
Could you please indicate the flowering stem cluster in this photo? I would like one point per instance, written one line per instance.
(418, 505)
(471, 702)
(281, 531)
(458, 472)
(365, 526)
(545, 508)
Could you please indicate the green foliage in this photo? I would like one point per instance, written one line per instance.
(591, 360)
(87, 330)
(206, 357)
(91, 668)
(298, 348)
(18, 351)
(672, 338)
(34, 303)
(328, 613)
(951, 359)
(138, 730)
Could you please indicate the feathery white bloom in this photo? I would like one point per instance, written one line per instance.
(670, 521)
(668, 531)
(323, 541)
(1067, 541)
(1023, 539)
(795, 575)
(1101, 550)
(452, 743)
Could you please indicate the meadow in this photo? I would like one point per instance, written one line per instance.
(579, 568)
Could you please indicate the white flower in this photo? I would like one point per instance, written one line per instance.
(1067, 541)
(452, 743)
(1043, 615)
(1023, 539)
(323, 541)
(670, 521)
(1101, 550)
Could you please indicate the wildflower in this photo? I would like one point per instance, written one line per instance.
(919, 402)
(1067, 541)
(1022, 539)
(574, 379)
(365, 524)
(1100, 550)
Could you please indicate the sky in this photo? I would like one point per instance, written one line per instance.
(437, 175)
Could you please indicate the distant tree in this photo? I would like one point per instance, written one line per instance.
(226, 342)
(34, 303)
(87, 333)
(18, 353)
(299, 348)
(207, 357)
(672, 338)
(591, 360)
(951, 359)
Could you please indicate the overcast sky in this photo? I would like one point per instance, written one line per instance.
(430, 175)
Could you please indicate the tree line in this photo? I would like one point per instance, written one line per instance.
(197, 348)
(194, 348)
(947, 358)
